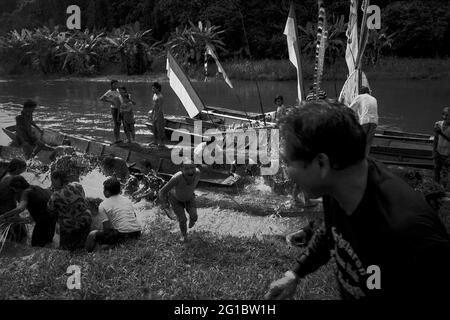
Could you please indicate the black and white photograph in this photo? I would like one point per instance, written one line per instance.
(240, 152)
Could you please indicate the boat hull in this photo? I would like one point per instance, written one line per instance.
(160, 159)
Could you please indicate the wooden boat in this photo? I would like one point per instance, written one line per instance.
(132, 153)
(391, 147)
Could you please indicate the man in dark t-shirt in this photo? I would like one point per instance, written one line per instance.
(34, 199)
(384, 238)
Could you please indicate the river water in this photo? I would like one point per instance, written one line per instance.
(72, 106)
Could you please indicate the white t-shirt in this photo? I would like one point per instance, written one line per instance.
(366, 108)
(113, 94)
(120, 212)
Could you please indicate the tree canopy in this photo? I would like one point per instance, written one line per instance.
(422, 27)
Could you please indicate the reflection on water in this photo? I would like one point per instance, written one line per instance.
(73, 106)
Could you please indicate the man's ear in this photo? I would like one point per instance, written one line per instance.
(324, 164)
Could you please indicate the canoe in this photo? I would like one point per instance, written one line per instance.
(160, 158)
(390, 147)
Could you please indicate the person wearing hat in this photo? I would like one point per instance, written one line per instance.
(27, 139)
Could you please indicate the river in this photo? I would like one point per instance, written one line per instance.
(72, 106)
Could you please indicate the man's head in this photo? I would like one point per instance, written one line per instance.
(114, 84)
(16, 167)
(59, 179)
(278, 100)
(156, 87)
(188, 167)
(29, 106)
(319, 139)
(18, 185)
(364, 90)
(111, 187)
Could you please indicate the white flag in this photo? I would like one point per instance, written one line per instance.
(180, 83)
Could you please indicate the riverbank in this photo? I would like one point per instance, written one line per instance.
(387, 68)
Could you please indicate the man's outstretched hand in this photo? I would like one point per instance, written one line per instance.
(283, 288)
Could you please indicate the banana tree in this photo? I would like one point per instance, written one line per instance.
(189, 44)
(134, 47)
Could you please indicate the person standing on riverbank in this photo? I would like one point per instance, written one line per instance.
(27, 139)
(156, 115)
(126, 114)
(375, 225)
(441, 148)
(113, 97)
(366, 107)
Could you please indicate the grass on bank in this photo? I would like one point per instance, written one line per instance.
(279, 70)
(386, 68)
(160, 267)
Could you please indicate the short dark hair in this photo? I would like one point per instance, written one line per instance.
(278, 97)
(60, 175)
(113, 81)
(364, 90)
(156, 85)
(19, 182)
(29, 104)
(112, 185)
(16, 164)
(323, 126)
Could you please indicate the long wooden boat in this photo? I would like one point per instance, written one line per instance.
(132, 153)
(389, 146)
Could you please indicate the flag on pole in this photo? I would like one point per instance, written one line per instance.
(351, 51)
(210, 51)
(181, 85)
(350, 88)
(294, 53)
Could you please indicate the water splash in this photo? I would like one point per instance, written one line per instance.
(93, 183)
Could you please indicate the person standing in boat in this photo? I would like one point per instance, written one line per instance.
(156, 115)
(113, 97)
(126, 114)
(441, 147)
(366, 107)
(27, 139)
(281, 108)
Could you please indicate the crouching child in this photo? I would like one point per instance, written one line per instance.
(117, 216)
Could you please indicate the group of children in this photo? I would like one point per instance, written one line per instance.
(65, 207)
(122, 112)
